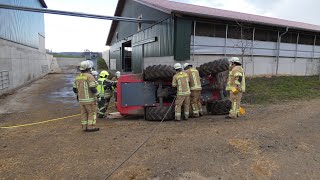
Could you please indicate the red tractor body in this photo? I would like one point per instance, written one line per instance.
(151, 94)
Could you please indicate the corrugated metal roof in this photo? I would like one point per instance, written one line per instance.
(202, 11)
(208, 12)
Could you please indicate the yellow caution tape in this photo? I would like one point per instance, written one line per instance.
(42, 122)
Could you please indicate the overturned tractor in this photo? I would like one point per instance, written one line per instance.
(150, 94)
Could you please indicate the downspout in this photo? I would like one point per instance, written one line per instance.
(278, 54)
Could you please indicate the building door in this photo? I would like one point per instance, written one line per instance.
(127, 57)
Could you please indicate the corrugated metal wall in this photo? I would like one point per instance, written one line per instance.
(182, 39)
(115, 54)
(164, 44)
(216, 45)
(137, 59)
(19, 26)
(134, 9)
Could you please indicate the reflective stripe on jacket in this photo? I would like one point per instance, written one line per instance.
(181, 81)
(194, 79)
(83, 82)
(100, 87)
(233, 79)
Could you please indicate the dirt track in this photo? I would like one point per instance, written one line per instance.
(271, 142)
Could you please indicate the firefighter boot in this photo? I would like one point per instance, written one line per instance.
(93, 129)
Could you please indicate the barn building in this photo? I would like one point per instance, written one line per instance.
(23, 56)
(196, 34)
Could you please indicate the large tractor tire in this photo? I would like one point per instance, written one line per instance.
(157, 113)
(214, 67)
(159, 72)
(221, 107)
(222, 79)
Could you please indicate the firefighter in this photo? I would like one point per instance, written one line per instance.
(116, 77)
(102, 94)
(114, 88)
(181, 82)
(85, 89)
(195, 87)
(236, 86)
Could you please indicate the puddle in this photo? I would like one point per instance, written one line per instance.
(64, 95)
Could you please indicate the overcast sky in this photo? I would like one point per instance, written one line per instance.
(65, 33)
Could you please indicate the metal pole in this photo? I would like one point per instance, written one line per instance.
(194, 36)
(296, 54)
(279, 41)
(225, 43)
(77, 14)
(253, 33)
(313, 48)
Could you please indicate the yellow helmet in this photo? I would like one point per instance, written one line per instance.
(104, 74)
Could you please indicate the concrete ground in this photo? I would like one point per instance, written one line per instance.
(270, 142)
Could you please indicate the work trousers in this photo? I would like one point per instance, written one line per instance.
(196, 103)
(182, 101)
(235, 106)
(103, 104)
(88, 113)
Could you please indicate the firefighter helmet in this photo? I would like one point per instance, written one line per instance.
(177, 66)
(90, 64)
(117, 74)
(186, 65)
(94, 73)
(84, 65)
(235, 59)
(104, 74)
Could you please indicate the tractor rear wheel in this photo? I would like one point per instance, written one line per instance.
(213, 67)
(220, 107)
(159, 72)
(158, 113)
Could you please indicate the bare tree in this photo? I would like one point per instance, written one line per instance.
(243, 39)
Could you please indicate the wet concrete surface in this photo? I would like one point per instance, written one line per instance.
(64, 94)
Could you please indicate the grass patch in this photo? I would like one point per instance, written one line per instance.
(265, 90)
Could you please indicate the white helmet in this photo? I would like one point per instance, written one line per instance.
(177, 66)
(186, 65)
(235, 59)
(90, 64)
(117, 74)
(84, 65)
(94, 73)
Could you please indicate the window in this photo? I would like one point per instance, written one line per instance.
(306, 39)
(289, 38)
(318, 40)
(266, 35)
(210, 30)
(234, 32)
